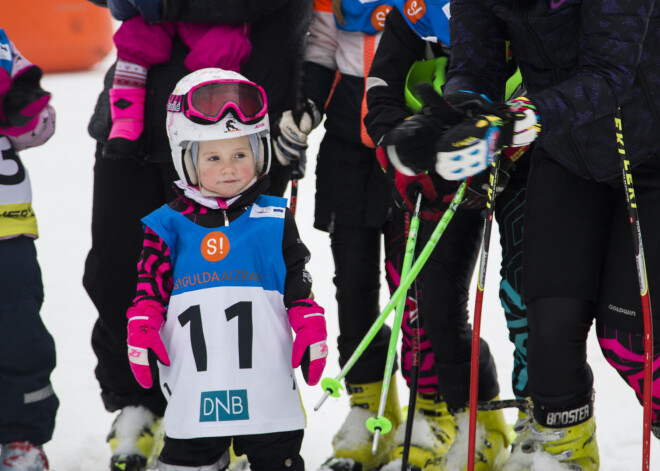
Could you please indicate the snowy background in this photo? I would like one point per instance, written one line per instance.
(61, 173)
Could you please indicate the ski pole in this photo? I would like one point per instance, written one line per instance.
(476, 327)
(294, 196)
(331, 386)
(297, 93)
(380, 423)
(643, 288)
(414, 380)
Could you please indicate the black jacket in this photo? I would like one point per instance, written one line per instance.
(398, 49)
(579, 59)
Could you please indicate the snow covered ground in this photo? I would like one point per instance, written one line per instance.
(61, 173)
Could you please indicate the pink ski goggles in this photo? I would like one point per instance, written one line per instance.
(209, 102)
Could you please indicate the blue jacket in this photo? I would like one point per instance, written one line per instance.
(150, 10)
(579, 59)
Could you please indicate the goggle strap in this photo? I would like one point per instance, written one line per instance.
(174, 103)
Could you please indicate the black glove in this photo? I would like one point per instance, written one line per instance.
(411, 146)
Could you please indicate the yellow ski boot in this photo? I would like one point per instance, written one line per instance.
(575, 445)
(433, 433)
(491, 442)
(237, 462)
(352, 442)
(136, 438)
(519, 460)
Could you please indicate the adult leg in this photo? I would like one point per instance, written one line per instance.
(624, 351)
(345, 207)
(619, 323)
(432, 420)
(395, 232)
(509, 212)
(444, 284)
(124, 192)
(567, 223)
(356, 253)
(560, 378)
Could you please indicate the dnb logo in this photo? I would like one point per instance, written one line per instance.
(215, 246)
(221, 406)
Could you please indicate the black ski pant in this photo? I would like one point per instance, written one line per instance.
(27, 352)
(357, 256)
(265, 452)
(579, 265)
(124, 192)
(353, 203)
(443, 292)
(509, 212)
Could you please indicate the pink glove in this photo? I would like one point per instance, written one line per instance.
(144, 322)
(309, 347)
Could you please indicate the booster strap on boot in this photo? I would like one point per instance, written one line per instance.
(559, 417)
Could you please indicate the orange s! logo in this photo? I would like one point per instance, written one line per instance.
(378, 17)
(414, 10)
(215, 246)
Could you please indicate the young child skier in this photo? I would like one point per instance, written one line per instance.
(222, 281)
(144, 40)
(28, 404)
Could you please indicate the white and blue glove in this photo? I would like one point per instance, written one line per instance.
(469, 147)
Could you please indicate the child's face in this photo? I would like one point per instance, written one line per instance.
(226, 166)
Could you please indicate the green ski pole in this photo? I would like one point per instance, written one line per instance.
(331, 386)
(380, 423)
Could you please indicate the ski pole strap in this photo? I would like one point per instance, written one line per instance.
(521, 404)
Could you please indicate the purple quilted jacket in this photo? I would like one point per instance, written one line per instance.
(580, 59)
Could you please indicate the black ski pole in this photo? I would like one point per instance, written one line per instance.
(297, 93)
(414, 378)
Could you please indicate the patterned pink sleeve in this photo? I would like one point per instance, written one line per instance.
(155, 281)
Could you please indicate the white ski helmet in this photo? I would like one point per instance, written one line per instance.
(211, 104)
